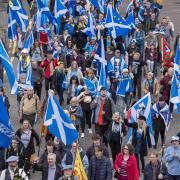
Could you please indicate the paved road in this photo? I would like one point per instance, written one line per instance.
(172, 9)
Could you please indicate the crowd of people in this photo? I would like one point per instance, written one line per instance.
(60, 61)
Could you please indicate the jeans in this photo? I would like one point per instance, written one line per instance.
(172, 177)
(142, 161)
(156, 136)
(150, 65)
(49, 84)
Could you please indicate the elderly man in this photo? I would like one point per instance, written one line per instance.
(172, 157)
(29, 106)
(13, 172)
(51, 170)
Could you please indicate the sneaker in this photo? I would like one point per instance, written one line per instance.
(90, 131)
(82, 135)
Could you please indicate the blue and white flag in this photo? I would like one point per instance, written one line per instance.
(102, 78)
(175, 87)
(59, 11)
(6, 130)
(131, 21)
(142, 107)
(115, 24)
(100, 55)
(124, 86)
(44, 10)
(19, 14)
(90, 86)
(72, 7)
(59, 124)
(99, 5)
(7, 64)
(129, 7)
(164, 113)
(12, 30)
(28, 43)
(90, 30)
(28, 80)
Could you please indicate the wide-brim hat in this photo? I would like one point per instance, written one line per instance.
(174, 138)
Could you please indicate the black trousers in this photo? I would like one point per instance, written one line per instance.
(101, 129)
(115, 149)
(60, 91)
(49, 83)
(37, 89)
(137, 85)
(156, 136)
(86, 119)
(171, 177)
(141, 158)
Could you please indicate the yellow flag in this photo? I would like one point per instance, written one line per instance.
(79, 171)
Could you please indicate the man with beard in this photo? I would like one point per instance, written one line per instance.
(29, 106)
(13, 172)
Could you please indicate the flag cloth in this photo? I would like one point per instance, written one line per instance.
(98, 4)
(72, 7)
(100, 55)
(131, 21)
(90, 30)
(12, 30)
(7, 64)
(59, 124)
(175, 87)
(166, 53)
(141, 107)
(115, 24)
(59, 11)
(28, 43)
(164, 113)
(44, 9)
(28, 80)
(90, 86)
(79, 171)
(102, 78)
(6, 130)
(19, 14)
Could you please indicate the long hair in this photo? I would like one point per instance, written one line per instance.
(144, 126)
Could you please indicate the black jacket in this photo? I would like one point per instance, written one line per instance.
(105, 169)
(161, 168)
(140, 146)
(44, 169)
(30, 148)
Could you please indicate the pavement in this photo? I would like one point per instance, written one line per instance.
(171, 8)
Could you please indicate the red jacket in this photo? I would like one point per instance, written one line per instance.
(132, 169)
(46, 65)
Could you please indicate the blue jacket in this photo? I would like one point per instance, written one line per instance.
(105, 172)
(173, 162)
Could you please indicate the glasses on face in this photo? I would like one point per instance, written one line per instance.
(118, 52)
(126, 148)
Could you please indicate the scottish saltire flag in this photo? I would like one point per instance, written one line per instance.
(100, 55)
(124, 86)
(7, 64)
(164, 113)
(19, 14)
(175, 87)
(115, 24)
(59, 11)
(99, 4)
(12, 30)
(59, 124)
(141, 107)
(90, 30)
(6, 130)
(72, 7)
(28, 80)
(44, 10)
(131, 20)
(129, 7)
(102, 78)
(90, 86)
(28, 43)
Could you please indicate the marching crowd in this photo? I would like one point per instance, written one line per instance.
(135, 65)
